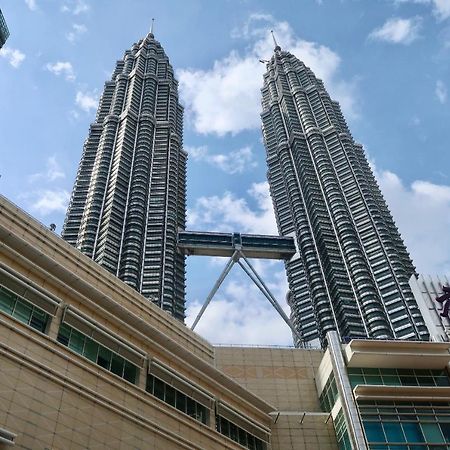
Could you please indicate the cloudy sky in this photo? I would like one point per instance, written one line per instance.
(386, 61)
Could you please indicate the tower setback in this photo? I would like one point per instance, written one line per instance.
(352, 269)
(129, 197)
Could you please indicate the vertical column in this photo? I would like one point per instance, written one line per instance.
(354, 427)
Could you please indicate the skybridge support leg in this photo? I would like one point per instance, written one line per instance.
(216, 286)
(253, 275)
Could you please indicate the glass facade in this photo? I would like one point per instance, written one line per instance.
(177, 399)
(392, 424)
(238, 434)
(406, 425)
(23, 310)
(342, 437)
(329, 395)
(398, 377)
(97, 353)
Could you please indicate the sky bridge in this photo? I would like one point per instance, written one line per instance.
(203, 243)
(238, 248)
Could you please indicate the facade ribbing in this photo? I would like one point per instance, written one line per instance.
(129, 197)
(352, 269)
(4, 32)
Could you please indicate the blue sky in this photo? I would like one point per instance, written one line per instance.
(386, 61)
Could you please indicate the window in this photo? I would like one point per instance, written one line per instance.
(398, 377)
(97, 353)
(238, 434)
(23, 310)
(177, 399)
(406, 425)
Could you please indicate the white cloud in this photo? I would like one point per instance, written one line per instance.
(50, 201)
(86, 101)
(62, 68)
(398, 31)
(31, 4)
(75, 7)
(13, 56)
(76, 32)
(422, 214)
(227, 98)
(240, 314)
(237, 161)
(441, 91)
(228, 213)
(52, 171)
(441, 9)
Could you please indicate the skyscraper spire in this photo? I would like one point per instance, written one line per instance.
(277, 47)
(152, 26)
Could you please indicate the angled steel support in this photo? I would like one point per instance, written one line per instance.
(216, 286)
(253, 275)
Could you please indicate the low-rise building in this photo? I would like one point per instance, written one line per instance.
(87, 362)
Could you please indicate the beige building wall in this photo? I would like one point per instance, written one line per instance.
(285, 378)
(53, 398)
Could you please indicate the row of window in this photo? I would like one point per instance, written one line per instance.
(177, 399)
(398, 377)
(97, 353)
(403, 425)
(238, 434)
(22, 310)
(82, 344)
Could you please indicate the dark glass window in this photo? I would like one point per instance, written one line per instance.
(130, 372)
(191, 410)
(238, 434)
(170, 395)
(179, 400)
(91, 350)
(23, 310)
(64, 334)
(374, 432)
(117, 364)
(97, 353)
(159, 389)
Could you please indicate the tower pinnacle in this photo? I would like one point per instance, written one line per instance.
(277, 47)
(151, 27)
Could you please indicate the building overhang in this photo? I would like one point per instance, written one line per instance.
(402, 393)
(397, 354)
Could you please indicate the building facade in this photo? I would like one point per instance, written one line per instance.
(434, 303)
(352, 268)
(4, 32)
(386, 395)
(129, 197)
(87, 362)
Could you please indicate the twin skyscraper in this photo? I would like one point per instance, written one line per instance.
(351, 271)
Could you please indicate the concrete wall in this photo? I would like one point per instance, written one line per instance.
(285, 378)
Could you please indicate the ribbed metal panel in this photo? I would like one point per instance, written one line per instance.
(353, 269)
(129, 197)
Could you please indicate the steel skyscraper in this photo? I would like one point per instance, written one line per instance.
(352, 269)
(129, 197)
